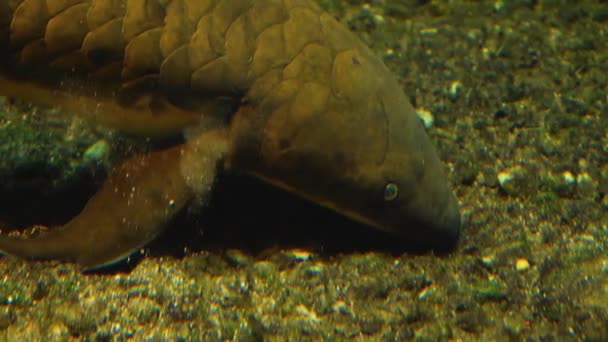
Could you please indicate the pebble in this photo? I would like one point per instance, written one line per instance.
(522, 264)
(98, 151)
(585, 185)
(512, 180)
(426, 116)
(455, 90)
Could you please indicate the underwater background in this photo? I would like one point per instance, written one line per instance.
(514, 95)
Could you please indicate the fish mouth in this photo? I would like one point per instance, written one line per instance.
(439, 233)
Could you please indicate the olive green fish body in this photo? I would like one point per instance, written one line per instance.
(294, 99)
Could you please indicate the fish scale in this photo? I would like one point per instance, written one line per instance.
(146, 37)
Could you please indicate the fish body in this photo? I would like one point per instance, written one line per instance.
(277, 89)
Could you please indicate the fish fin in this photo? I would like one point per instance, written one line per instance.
(145, 114)
(131, 208)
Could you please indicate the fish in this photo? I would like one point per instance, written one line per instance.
(275, 89)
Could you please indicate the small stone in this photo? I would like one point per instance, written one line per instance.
(522, 264)
(585, 238)
(583, 247)
(426, 116)
(586, 186)
(605, 201)
(437, 331)
(455, 90)
(58, 332)
(314, 270)
(429, 31)
(311, 315)
(237, 257)
(471, 321)
(426, 292)
(504, 177)
(499, 5)
(487, 260)
(181, 309)
(512, 180)
(370, 325)
(265, 270)
(341, 307)
(568, 177)
(491, 291)
(514, 324)
(73, 317)
(389, 52)
(143, 309)
(563, 184)
(7, 317)
(96, 152)
(299, 254)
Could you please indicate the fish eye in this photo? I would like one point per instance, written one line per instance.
(391, 190)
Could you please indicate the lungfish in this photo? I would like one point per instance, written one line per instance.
(275, 89)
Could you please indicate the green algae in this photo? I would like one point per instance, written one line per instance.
(29, 144)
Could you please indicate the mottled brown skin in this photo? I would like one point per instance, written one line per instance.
(274, 88)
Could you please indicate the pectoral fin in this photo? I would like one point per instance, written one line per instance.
(131, 208)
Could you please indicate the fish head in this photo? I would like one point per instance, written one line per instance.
(397, 182)
(354, 144)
